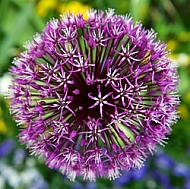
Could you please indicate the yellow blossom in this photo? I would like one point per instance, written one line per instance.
(181, 59)
(184, 36)
(44, 6)
(3, 127)
(187, 96)
(171, 45)
(184, 113)
(74, 7)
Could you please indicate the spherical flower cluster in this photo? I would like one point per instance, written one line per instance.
(94, 96)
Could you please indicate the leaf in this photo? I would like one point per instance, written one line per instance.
(184, 81)
(139, 9)
(18, 26)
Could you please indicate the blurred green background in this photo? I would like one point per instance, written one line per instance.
(170, 166)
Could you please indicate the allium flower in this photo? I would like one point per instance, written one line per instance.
(93, 97)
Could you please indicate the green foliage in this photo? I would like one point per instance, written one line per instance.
(19, 23)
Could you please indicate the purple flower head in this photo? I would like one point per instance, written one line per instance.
(93, 97)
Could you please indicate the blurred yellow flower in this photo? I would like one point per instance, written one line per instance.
(187, 96)
(74, 7)
(184, 36)
(3, 127)
(181, 59)
(44, 6)
(171, 45)
(184, 113)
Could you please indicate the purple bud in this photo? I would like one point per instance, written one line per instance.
(73, 134)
